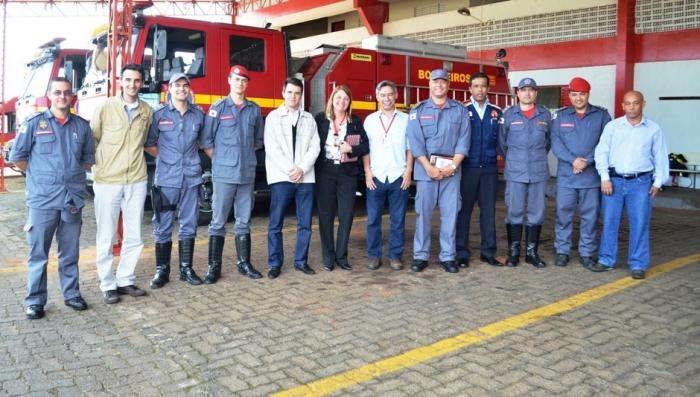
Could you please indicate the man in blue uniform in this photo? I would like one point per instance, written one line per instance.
(174, 140)
(632, 160)
(438, 136)
(479, 174)
(576, 130)
(524, 139)
(233, 131)
(55, 148)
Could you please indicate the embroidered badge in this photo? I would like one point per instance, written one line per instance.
(426, 117)
(494, 115)
(212, 113)
(166, 122)
(227, 117)
(23, 129)
(412, 116)
(567, 125)
(43, 132)
(516, 122)
(501, 121)
(43, 124)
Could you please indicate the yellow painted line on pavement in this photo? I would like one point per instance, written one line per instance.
(416, 356)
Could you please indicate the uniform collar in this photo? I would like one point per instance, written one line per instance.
(47, 114)
(589, 109)
(448, 104)
(476, 104)
(229, 102)
(172, 107)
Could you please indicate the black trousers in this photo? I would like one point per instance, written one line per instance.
(478, 184)
(335, 195)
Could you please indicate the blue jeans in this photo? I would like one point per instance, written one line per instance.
(282, 194)
(632, 194)
(398, 199)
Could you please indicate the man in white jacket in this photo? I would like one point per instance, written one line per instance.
(291, 147)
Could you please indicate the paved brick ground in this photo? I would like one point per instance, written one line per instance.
(253, 338)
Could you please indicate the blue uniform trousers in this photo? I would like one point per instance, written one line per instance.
(445, 195)
(282, 194)
(240, 196)
(478, 184)
(588, 202)
(187, 201)
(40, 227)
(633, 195)
(398, 200)
(522, 198)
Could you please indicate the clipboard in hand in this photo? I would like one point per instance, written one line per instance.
(441, 160)
(352, 140)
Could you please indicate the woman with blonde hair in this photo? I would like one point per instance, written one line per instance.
(343, 143)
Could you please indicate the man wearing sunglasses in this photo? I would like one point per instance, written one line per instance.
(55, 148)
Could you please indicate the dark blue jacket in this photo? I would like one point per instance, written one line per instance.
(484, 137)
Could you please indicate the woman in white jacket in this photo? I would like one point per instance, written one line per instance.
(291, 147)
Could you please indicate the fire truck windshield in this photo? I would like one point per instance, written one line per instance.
(36, 78)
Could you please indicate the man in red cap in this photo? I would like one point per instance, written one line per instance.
(233, 131)
(576, 131)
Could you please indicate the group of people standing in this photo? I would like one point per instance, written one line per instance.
(447, 148)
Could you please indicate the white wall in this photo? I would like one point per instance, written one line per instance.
(680, 120)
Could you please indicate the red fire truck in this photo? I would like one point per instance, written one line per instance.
(205, 51)
(51, 62)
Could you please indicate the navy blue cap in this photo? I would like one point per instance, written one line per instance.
(439, 74)
(527, 82)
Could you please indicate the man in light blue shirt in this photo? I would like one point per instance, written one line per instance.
(388, 169)
(632, 160)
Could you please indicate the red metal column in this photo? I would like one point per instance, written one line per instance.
(624, 49)
(373, 14)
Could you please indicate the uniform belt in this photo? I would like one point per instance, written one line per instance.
(631, 175)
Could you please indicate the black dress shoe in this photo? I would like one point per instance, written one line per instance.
(599, 267)
(638, 274)
(463, 262)
(274, 273)
(418, 265)
(449, 266)
(491, 260)
(586, 261)
(328, 268)
(110, 297)
(34, 312)
(131, 290)
(305, 269)
(344, 266)
(562, 260)
(77, 303)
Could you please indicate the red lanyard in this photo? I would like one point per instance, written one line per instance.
(336, 127)
(386, 129)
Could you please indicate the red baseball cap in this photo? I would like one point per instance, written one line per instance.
(578, 84)
(240, 71)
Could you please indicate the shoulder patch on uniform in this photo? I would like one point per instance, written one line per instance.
(212, 113)
(501, 121)
(554, 116)
(412, 116)
(22, 128)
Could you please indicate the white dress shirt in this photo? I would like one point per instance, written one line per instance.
(387, 144)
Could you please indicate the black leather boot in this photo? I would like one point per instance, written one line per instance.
(216, 248)
(243, 252)
(186, 251)
(515, 234)
(532, 236)
(162, 265)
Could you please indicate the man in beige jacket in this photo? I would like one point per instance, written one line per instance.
(291, 147)
(120, 127)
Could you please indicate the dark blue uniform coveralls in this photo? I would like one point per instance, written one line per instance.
(480, 182)
(574, 137)
(234, 134)
(178, 176)
(55, 194)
